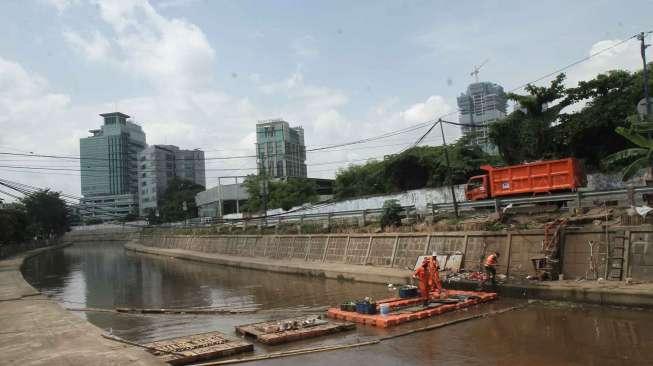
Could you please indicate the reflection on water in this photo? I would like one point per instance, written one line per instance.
(107, 276)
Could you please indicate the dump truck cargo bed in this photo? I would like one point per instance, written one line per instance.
(536, 177)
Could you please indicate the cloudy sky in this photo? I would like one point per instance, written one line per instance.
(200, 73)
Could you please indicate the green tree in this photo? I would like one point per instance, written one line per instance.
(252, 185)
(359, 180)
(590, 133)
(391, 215)
(281, 194)
(635, 158)
(417, 167)
(526, 134)
(152, 217)
(47, 213)
(292, 192)
(13, 224)
(171, 205)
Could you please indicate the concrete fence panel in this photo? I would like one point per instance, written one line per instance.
(300, 247)
(336, 250)
(284, 247)
(577, 253)
(523, 248)
(382, 250)
(316, 248)
(479, 246)
(357, 250)
(259, 246)
(446, 244)
(641, 256)
(409, 248)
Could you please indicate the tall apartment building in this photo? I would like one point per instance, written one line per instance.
(280, 149)
(158, 164)
(108, 160)
(482, 104)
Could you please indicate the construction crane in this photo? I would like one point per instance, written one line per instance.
(477, 68)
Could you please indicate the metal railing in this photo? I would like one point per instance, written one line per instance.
(286, 218)
(407, 211)
(577, 196)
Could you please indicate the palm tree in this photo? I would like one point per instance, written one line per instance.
(636, 158)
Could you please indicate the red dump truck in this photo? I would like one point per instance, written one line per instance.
(526, 179)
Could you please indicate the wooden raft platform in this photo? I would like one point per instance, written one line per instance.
(268, 333)
(406, 310)
(198, 347)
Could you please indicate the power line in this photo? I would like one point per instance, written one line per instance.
(327, 147)
(10, 195)
(573, 63)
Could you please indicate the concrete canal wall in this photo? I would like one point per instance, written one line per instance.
(95, 236)
(399, 251)
(38, 331)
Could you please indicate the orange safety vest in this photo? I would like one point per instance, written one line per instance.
(491, 260)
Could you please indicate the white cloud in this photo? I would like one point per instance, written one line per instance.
(625, 56)
(434, 107)
(168, 53)
(94, 48)
(305, 46)
(167, 4)
(188, 109)
(312, 97)
(31, 116)
(62, 5)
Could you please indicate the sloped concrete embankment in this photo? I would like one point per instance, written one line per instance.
(38, 331)
(388, 258)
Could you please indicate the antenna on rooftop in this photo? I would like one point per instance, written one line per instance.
(477, 68)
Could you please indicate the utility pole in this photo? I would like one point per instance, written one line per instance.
(265, 201)
(446, 159)
(643, 52)
(220, 200)
(237, 204)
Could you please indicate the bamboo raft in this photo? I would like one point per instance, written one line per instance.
(198, 347)
(292, 329)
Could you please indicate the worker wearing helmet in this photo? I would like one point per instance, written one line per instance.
(422, 275)
(490, 266)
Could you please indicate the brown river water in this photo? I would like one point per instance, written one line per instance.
(107, 276)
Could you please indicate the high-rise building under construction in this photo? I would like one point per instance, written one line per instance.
(482, 104)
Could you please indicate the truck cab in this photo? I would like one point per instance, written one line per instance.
(477, 188)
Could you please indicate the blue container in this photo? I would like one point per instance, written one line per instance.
(364, 307)
(408, 292)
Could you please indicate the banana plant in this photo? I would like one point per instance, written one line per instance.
(636, 158)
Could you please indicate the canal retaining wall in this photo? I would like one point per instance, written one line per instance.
(400, 251)
(101, 235)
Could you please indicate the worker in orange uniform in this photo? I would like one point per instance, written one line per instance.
(434, 276)
(490, 266)
(422, 275)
